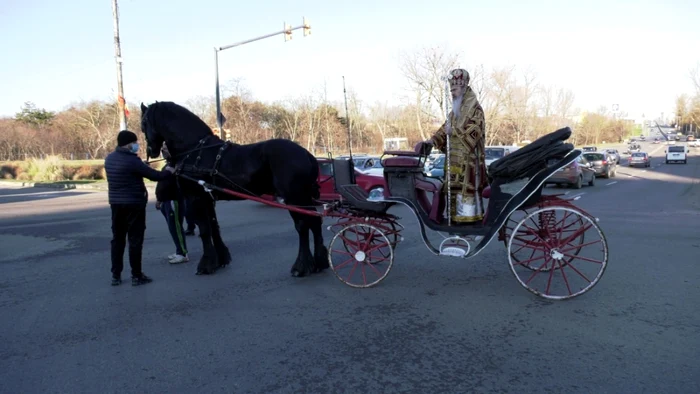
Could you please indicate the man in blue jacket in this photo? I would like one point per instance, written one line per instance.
(128, 198)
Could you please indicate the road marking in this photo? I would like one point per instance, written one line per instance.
(578, 195)
(611, 183)
(32, 194)
(644, 170)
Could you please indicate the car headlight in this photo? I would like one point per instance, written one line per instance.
(376, 194)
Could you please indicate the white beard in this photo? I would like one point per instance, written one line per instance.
(456, 105)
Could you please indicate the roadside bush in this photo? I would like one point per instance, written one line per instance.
(53, 168)
(49, 169)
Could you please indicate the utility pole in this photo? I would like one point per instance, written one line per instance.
(287, 31)
(118, 57)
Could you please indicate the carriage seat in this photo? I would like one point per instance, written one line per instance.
(402, 158)
(429, 185)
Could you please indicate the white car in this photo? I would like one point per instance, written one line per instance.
(677, 153)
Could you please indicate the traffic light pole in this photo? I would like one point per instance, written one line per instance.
(287, 31)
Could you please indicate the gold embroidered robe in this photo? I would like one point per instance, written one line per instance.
(467, 159)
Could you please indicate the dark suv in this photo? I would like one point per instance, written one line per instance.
(602, 163)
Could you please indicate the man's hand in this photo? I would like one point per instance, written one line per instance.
(158, 204)
(170, 169)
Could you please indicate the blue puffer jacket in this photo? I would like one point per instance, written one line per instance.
(125, 173)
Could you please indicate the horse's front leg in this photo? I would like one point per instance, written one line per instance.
(207, 263)
(222, 253)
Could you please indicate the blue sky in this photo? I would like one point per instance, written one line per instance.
(635, 53)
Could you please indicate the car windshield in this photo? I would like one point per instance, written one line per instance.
(594, 156)
(494, 153)
(678, 149)
(638, 154)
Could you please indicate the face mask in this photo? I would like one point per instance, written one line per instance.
(135, 147)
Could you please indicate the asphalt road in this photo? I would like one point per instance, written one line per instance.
(434, 325)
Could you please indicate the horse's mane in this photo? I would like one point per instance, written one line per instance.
(181, 117)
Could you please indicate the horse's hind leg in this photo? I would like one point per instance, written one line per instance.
(223, 255)
(320, 250)
(203, 219)
(304, 264)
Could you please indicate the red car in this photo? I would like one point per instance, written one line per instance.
(327, 182)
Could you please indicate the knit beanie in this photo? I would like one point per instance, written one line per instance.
(126, 137)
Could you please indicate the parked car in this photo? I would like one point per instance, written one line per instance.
(494, 153)
(589, 149)
(437, 169)
(640, 159)
(676, 154)
(325, 179)
(602, 163)
(575, 174)
(369, 165)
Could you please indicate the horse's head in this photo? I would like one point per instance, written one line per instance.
(154, 140)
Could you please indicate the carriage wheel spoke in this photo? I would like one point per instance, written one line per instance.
(563, 243)
(371, 248)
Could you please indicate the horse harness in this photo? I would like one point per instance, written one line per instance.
(213, 171)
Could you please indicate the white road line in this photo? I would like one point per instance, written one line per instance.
(577, 195)
(611, 183)
(33, 194)
(644, 170)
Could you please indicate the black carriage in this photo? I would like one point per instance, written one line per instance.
(555, 249)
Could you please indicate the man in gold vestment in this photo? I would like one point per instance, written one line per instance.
(465, 125)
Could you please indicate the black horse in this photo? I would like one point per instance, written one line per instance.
(274, 167)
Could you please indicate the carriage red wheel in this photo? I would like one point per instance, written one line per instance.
(361, 255)
(390, 228)
(545, 221)
(553, 263)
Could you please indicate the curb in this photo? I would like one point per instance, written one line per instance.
(50, 185)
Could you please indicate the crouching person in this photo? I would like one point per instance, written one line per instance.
(171, 204)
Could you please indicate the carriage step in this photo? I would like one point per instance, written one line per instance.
(455, 246)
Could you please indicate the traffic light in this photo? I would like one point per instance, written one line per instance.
(307, 28)
(287, 32)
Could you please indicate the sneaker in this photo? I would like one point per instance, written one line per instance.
(179, 259)
(116, 281)
(140, 280)
(172, 256)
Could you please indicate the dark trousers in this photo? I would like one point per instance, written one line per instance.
(128, 222)
(174, 215)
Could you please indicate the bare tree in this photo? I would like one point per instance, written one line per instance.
(695, 77)
(425, 69)
(204, 107)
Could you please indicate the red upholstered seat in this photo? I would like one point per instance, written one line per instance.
(429, 185)
(487, 192)
(401, 161)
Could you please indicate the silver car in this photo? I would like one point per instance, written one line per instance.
(640, 159)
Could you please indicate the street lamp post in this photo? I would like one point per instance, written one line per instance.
(287, 31)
